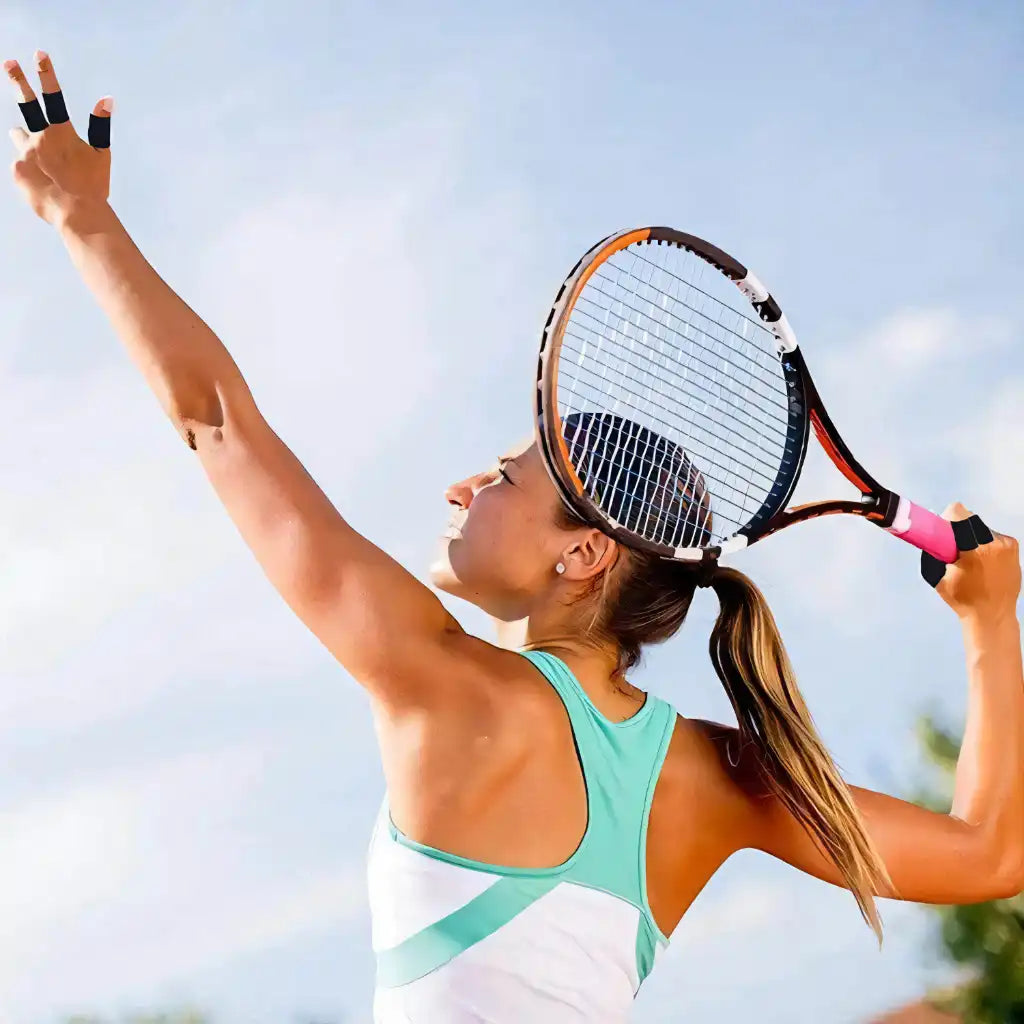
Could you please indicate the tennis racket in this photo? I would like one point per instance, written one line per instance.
(674, 406)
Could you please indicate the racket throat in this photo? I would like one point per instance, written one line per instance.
(884, 508)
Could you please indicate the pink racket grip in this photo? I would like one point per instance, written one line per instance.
(925, 530)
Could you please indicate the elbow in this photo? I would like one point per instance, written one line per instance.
(1008, 880)
(205, 412)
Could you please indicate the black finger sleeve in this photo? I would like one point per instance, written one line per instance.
(963, 531)
(56, 111)
(99, 132)
(932, 569)
(982, 533)
(33, 114)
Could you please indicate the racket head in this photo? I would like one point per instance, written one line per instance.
(671, 403)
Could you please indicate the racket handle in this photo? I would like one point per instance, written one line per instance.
(925, 530)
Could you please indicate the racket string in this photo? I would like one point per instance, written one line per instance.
(730, 413)
(759, 357)
(593, 470)
(734, 494)
(769, 466)
(777, 412)
(770, 470)
(769, 396)
(701, 394)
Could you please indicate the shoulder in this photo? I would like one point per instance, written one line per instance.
(479, 680)
(711, 769)
(702, 813)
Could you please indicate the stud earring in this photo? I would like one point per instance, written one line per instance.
(559, 568)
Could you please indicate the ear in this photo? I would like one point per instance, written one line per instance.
(590, 553)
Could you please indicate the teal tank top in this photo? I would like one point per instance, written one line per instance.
(621, 762)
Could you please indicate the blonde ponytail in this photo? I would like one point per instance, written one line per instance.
(751, 661)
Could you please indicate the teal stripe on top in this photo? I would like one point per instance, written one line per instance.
(444, 940)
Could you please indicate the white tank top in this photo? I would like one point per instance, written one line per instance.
(461, 942)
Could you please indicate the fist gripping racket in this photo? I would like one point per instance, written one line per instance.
(674, 406)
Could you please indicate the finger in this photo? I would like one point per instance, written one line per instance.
(956, 511)
(20, 138)
(982, 533)
(970, 533)
(53, 98)
(99, 123)
(30, 109)
(21, 83)
(964, 532)
(47, 76)
(932, 569)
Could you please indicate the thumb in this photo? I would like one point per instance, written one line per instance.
(20, 139)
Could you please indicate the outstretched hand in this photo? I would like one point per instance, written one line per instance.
(55, 169)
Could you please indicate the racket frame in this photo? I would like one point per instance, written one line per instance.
(806, 412)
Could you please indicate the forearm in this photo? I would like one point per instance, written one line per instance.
(183, 361)
(989, 791)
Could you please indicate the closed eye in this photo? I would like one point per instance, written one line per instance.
(501, 470)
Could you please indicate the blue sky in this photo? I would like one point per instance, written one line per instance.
(392, 193)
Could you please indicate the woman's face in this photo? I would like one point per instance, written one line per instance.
(504, 541)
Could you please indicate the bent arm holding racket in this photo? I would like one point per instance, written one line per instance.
(976, 852)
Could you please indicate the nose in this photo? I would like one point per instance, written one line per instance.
(461, 494)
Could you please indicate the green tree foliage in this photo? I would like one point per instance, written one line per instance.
(986, 939)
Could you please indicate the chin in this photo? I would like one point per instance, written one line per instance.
(445, 577)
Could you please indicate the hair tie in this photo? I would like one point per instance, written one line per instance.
(706, 572)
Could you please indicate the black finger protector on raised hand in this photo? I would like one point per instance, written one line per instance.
(968, 533)
(56, 111)
(99, 132)
(33, 114)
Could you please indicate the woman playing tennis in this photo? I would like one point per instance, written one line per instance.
(547, 823)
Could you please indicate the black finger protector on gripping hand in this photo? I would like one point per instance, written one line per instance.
(969, 533)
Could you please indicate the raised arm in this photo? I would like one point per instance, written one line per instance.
(976, 852)
(380, 622)
(384, 626)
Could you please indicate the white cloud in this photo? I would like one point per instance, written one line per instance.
(990, 441)
(123, 883)
(912, 340)
(747, 905)
(758, 930)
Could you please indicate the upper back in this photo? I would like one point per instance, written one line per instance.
(581, 925)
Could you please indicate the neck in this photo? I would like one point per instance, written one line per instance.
(549, 628)
(592, 664)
